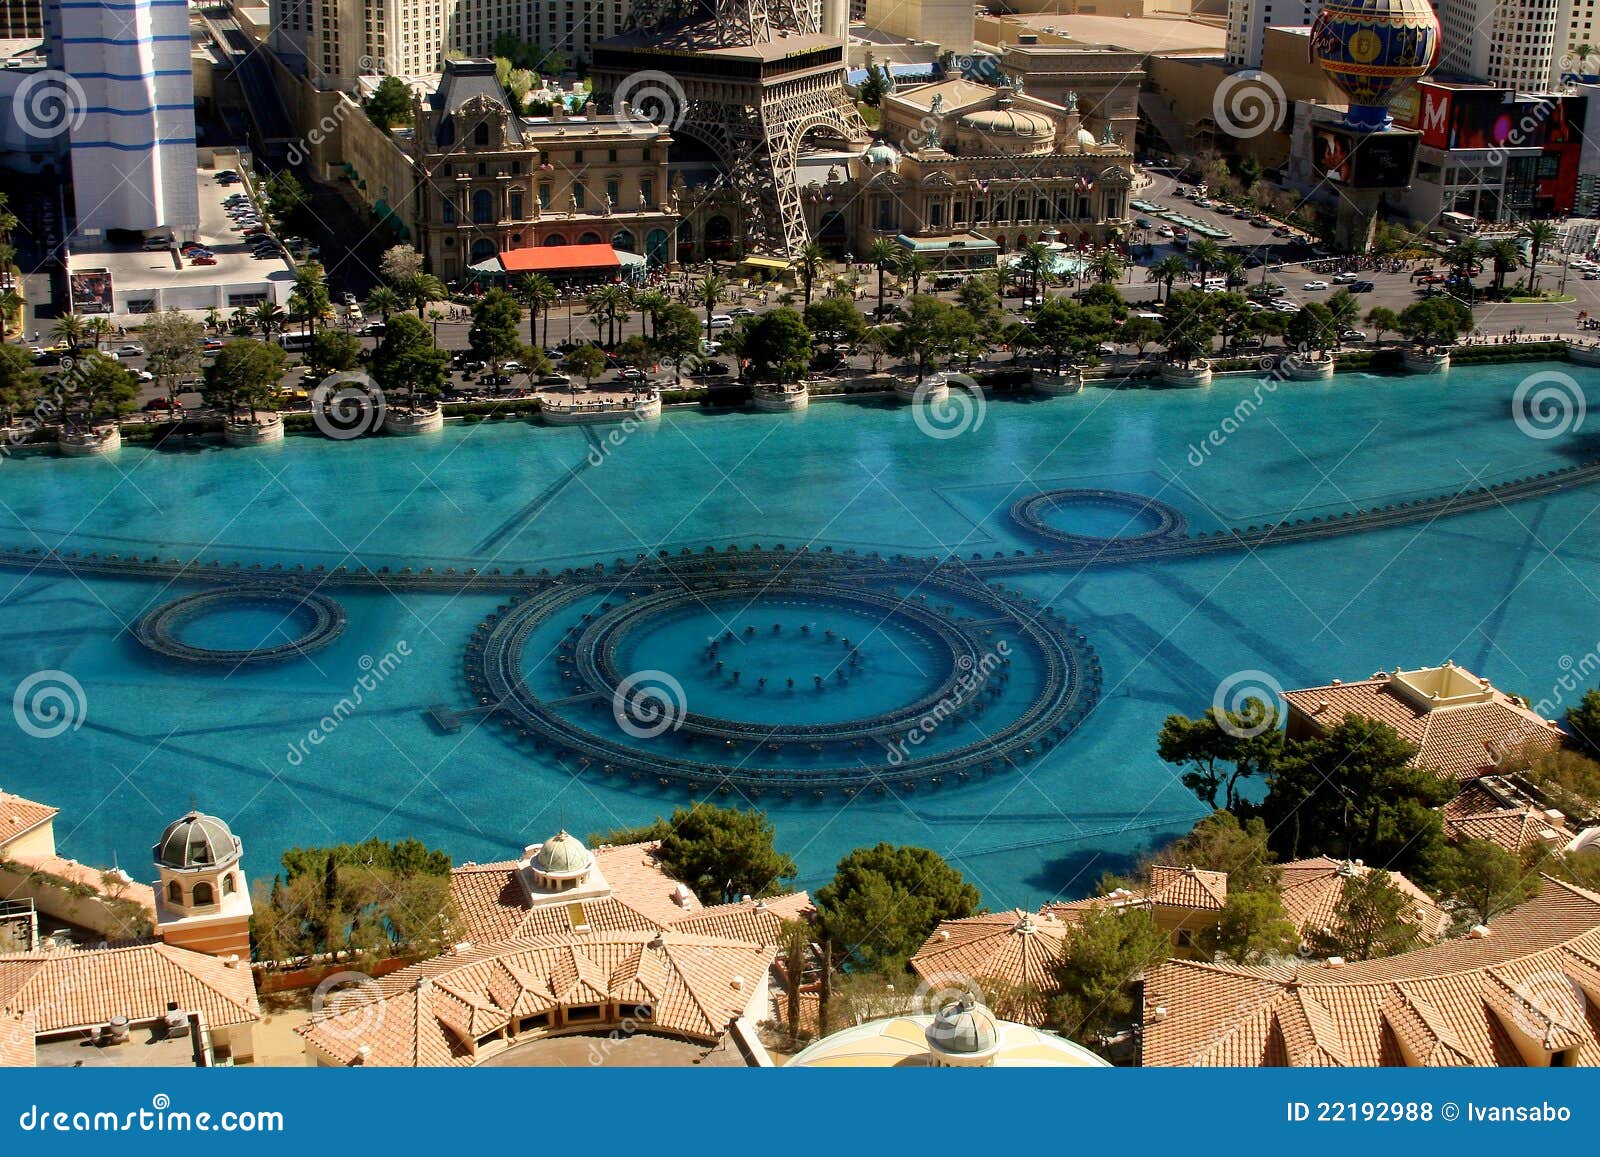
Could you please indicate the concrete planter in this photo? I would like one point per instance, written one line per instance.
(409, 423)
(592, 413)
(1584, 355)
(102, 440)
(1186, 377)
(1417, 362)
(1057, 385)
(931, 389)
(781, 399)
(1306, 370)
(244, 432)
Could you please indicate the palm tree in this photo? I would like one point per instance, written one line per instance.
(310, 294)
(422, 290)
(1036, 259)
(708, 293)
(1539, 235)
(1463, 259)
(884, 254)
(538, 293)
(213, 320)
(1206, 255)
(383, 301)
(809, 265)
(98, 328)
(11, 304)
(1507, 257)
(1106, 265)
(70, 332)
(609, 306)
(652, 303)
(916, 266)
(1167, 270)
(1232, 268)
(269, 318)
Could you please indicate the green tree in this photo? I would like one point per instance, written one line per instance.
(496, 321)
(979, 298)
(1253, 927)
(309, 298)
(1382, 320)
(1507, 257)
(1484, 879)
(676, 334)
(1206, 255)
(1140, 332)
(1583, 720)
(871, 90)
(1188, 324)
(1222, 747)
(173, 350)
(1569, 779)
(538, 293)
(333, 351)
(390, 104)
(1066, 331)
(778, 345)
(1373, 918)
(19, 382)
(1540, 236)
(884, 901)
(1166, 271)
(1222, 842)
(384, 302)
(1101, 957)
(810, 264)
(586, 363)
(286, 197)
(423, 289)
(96, 387)
(1435, 322)
(721, 852)
(837, 315)
(794, 948)
(884, 255)
(708, 292)
(1354, 794)
(245, 374)
(1106, 266)
(1312, 327)
(931, 331)
(407, 364)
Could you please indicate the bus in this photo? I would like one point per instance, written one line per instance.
(295, 342)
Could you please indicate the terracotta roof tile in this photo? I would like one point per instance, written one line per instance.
(16, 1040)
(18, 815)
(1017, 949)
(1456, 1002)
(1312, 890)
(74, 988)
(1459, 742)
(1189, 887)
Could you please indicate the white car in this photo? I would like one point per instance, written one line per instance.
(718, 321)
(1285, 306)
(349, 298)
(1315, 285)
(1164, 231)
(1344, 278)
(144, 376)
(741, 311)
(133, 350)
(708, 346)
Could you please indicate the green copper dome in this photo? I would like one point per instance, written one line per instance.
(563, 855)
(963, 1027)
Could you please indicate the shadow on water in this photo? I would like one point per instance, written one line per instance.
(1074, 875)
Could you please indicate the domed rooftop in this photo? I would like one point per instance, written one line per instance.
(563, 855)
(881, 153)
(1008, 122)
(196, 841)
(1086, 140)
(963, 1027)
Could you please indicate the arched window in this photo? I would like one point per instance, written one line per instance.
(655, 247)
(480, 135)
(623, 240)
(482, 250)
(174, 893)
(555, 239)
(228, 886)
(482, 207)
(203, 894)
(589, 239)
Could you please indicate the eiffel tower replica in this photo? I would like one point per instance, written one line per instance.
(750, 79)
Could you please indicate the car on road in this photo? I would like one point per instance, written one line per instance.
(1344, 278)
(350, 299)
(1315, 285)
(710, 370)
(1286, 307)
(144, 376)
(495, 381)
(554, 380)
(1430, 279)
(155, 404)
(514, 367)
(1204, 203)
(1261, 222)
(203, 261)
(718, 321)
(1143, 223)
(1352, 335)
(131, 349)
(372, 329)
(1164, 231)
(741, 311)
(1281, 231)
(631, 374)
(710, 347)
(1593, 275)
(212, 344)
(1362, 286)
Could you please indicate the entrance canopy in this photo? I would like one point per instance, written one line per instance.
(589, 261)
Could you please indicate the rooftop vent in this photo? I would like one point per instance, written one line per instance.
(1333, 962)
(1479, 932)
(737, 982)
(1157, 1014)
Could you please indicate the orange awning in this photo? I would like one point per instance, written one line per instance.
(547, 258)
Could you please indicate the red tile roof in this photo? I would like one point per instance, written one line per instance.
(1015, 949)
(1522, 990)
(1312, 890)
(1459, 742)
(75, 988)
(18, 816)
(1478, 813)
(16, 1040)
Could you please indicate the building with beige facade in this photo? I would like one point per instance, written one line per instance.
(491, 180)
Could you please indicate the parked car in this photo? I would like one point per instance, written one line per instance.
(710, 370)
(1352, 335)
(372, 329)
(144, 376)
(741, 311)
(131, 349)
(203, 261)
(1281, 231)
(1143, 223)
(718, 321)
(495, 381)
(212, 344)
(554, 380)
(1315, 285)
(631, 374)
(350, 299)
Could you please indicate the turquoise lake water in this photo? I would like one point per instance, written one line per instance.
(1507, 593)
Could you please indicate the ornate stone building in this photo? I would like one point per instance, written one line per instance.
(964, 172)
(492, 181)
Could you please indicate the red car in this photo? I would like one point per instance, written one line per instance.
(1431, 278)
(203, 261)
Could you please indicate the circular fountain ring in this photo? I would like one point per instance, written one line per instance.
(158, 630)
(1029, 513)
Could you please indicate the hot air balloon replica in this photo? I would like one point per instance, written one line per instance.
(1372, 50)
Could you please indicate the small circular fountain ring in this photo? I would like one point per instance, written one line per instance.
(158, 630)
(1029, 513)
